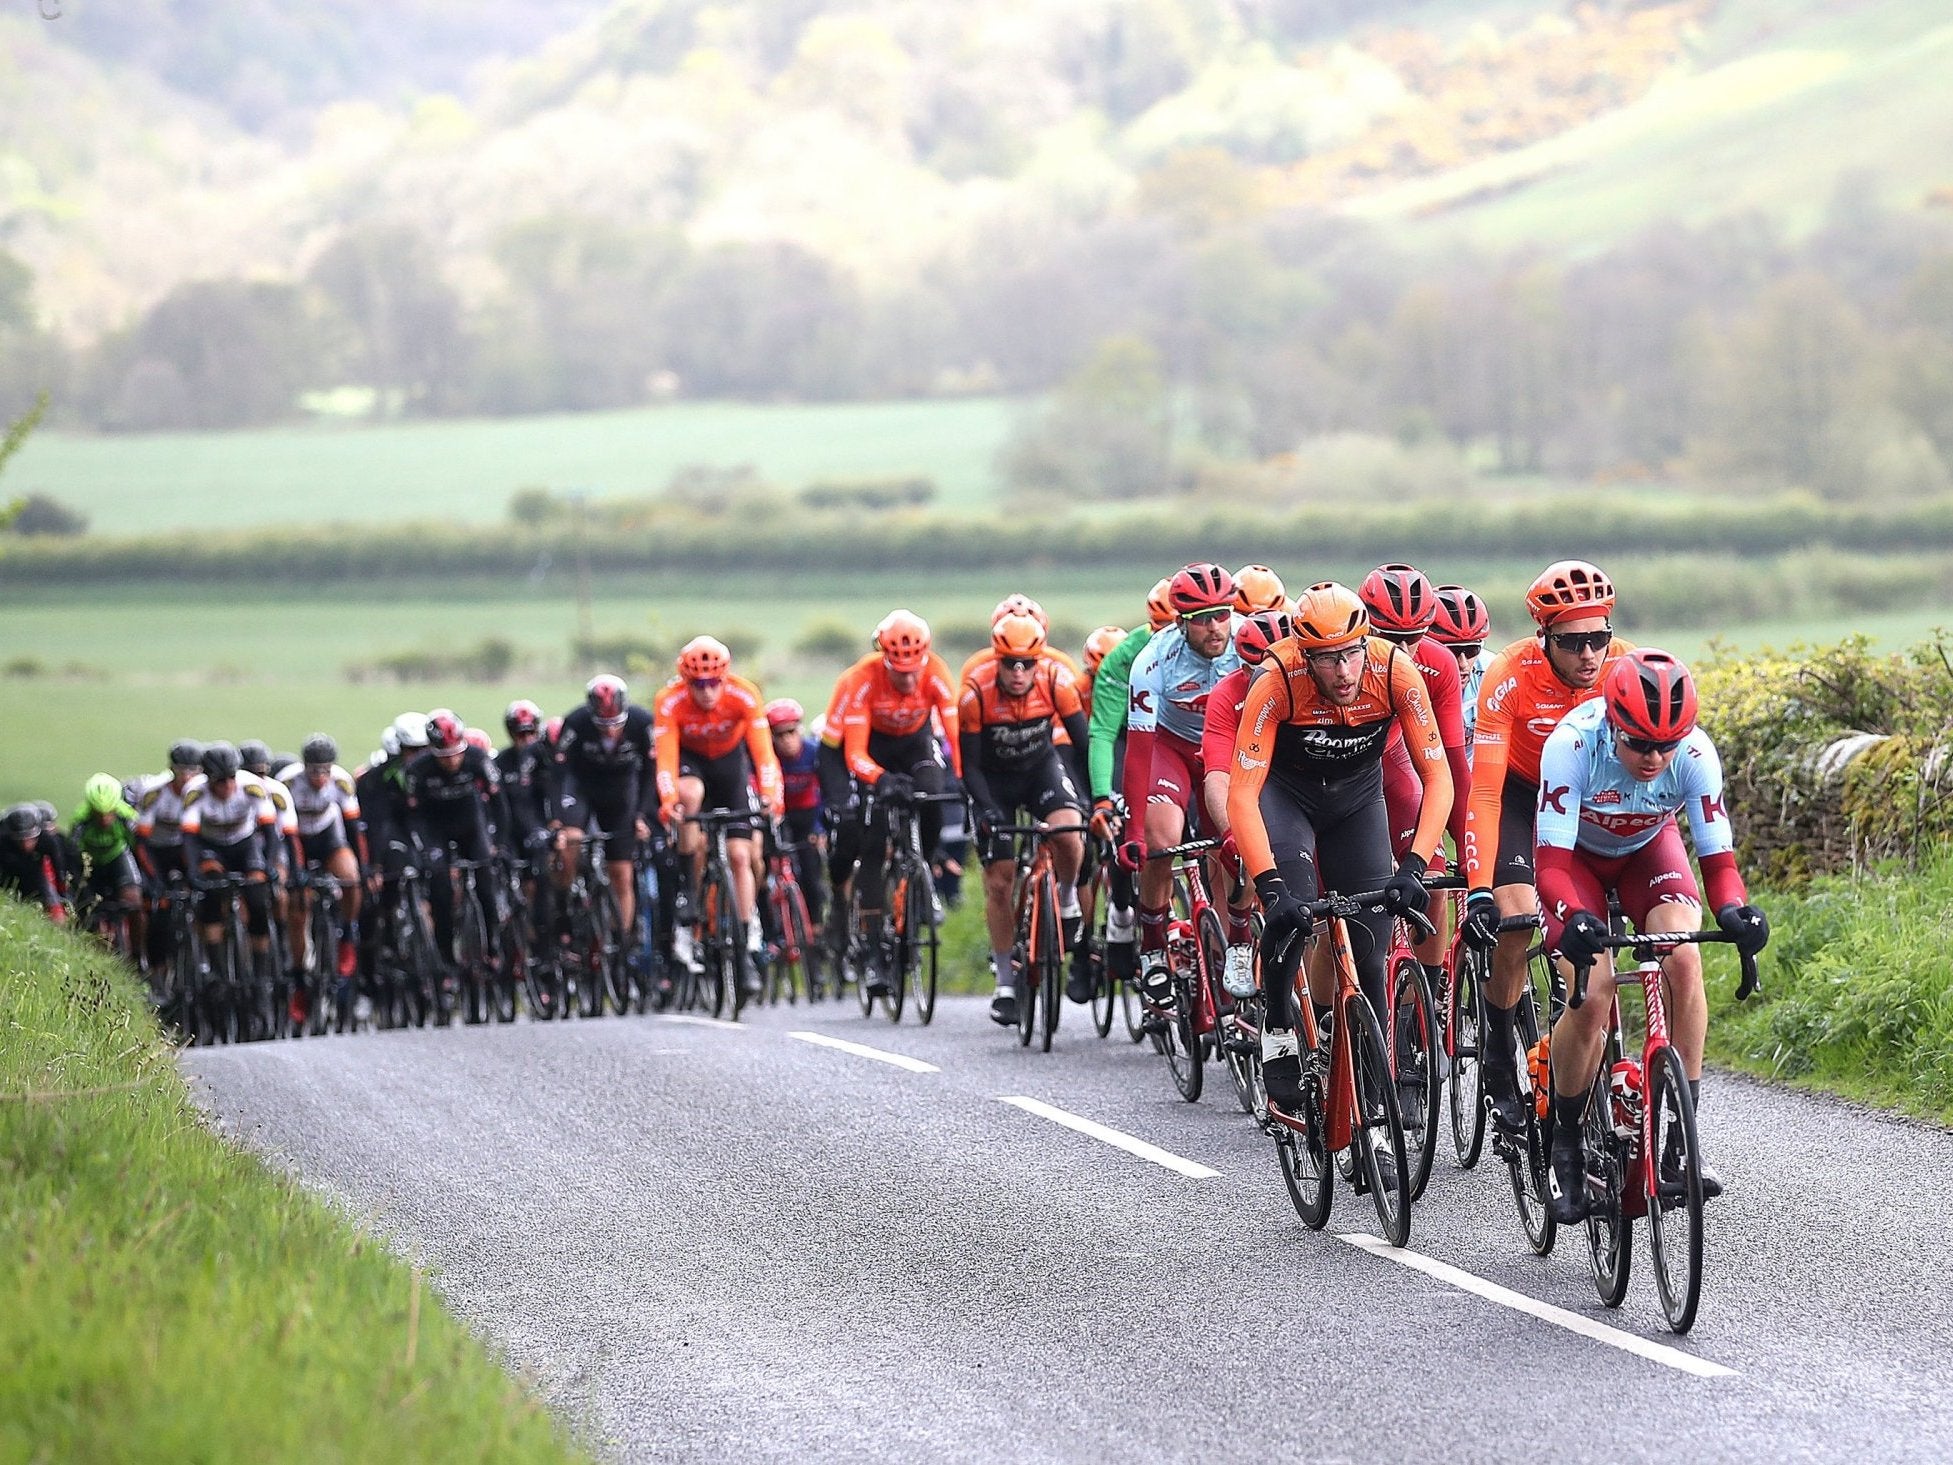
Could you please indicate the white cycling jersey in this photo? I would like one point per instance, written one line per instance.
(320, 810)
(243, 813)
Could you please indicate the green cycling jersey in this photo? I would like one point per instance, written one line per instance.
(1111, 686)
(103, 840)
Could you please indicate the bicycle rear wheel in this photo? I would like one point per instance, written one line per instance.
(1130, 1007)
(1307, 1169)
(1464, 1022)
(1050, 962)
(322, 965)
(1675, 1208)
(1610, 1234)
(613, 972)
(1378, 1133)
(1414, 1047)
(471, 957)
(922, 940)
(1226, 1040)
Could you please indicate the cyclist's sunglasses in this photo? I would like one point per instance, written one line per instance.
(1017, 663)
(1581, 640)
(1648, 747)
(706, 684)
(1342, 656)
(1201, 617)
(1470, 648)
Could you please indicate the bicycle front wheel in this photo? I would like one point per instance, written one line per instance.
(1414, 1048)
(1307, 1169)
(1527, 1159)
(1464, 1022)
(1378, 1131)
(1610, 1233)
(1673, 1157)
(922, 941)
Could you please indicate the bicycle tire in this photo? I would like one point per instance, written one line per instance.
(715, 926)
(1414, 1046)
(1307, 1169)
(1050, 959)
(924, 942)
(586, 944)
(512, 950)
(895, 922)
(1213, 951)
(186, 980)
(1464, 1023)
(1528, 1159)
(471, 956)
(426, 971)
(785, 968)
(1610, 1232)
(1379, 1133)
(322, 937)
(1130, 1007)
(1674, 1217)
(616, 985)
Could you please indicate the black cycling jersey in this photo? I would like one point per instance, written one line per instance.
(588, 758)
(442, 801)
(34, 871)
(528, 777)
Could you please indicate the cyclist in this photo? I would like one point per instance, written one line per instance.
(525, 769)
(800, 787)
(228, 817)
(1403, 605)
(104, 833)
(1097, 645)
(1171, 681)
(159, 838)
(1009, 709)
(888, 738)
(605, 754)
(451, 788)
(1461, 626)
(1612, 777)
(1528, 688)
(1305, 796)
(711, 741)
(327, 809)
(1018, 605)
(1253, 635)
(1106, 769)
(30, 861)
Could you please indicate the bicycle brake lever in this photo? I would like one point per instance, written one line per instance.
(1749, 986)
(1578, 996)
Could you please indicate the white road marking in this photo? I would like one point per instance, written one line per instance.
(1118, 1139)
(862, 1050)
(1573, 1322)
(700, 1022)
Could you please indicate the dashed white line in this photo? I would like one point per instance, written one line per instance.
(700, 1022)
(1573, 1322)
(1117, 1138)
(862, 1050)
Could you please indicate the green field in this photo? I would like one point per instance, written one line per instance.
(151, 665)
(1785, 98)
(466, 470)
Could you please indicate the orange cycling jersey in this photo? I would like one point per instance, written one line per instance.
(873, 705)
(831, 729)
(1051, 654)
(1520, 701)
(682, 726)
(1015, 731)
(1287, 720)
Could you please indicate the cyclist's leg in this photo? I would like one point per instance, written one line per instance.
(802, 825)
(1164, 820)
(619, 820)
(1353, 832)
(440, 889)
(1658, 893)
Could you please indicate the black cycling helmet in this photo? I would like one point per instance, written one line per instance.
(255, 755)
(22, 821)
(220, 761)
(186, 753)
(320, 748)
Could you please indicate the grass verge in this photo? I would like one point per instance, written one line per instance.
(1857, 995)
(167, 1296)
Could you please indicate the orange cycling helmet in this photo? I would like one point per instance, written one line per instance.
(1017, 635)
(1650, 695)
(1021, 605)
(1257, 632)
(1570, 588)
(904, 639)
(784, 712)
(1159, 614)
(1200, 586)
(1256, 587)
(1328, 615)
(703, 659)
(1099, 645)
(1462, 618)
(1401, 601)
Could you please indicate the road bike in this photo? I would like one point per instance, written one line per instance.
(795, 958)
(1419, 1042)
(1643, 1156)
(1525, 1150)
(720, 939)
(591, 957)
(1037, 931)
(1196, 953)
(908, 931)
(1349, 1095)
(487, 984)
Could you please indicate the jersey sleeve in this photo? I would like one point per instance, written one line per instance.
(191, 821)
(1247, 770)
(944, 693)
(1563, 767)
(1143, 694)
(766, 762)
(1110, 689)
(854, 733)
(664, 745)
(1491, 744)
(1426, 749)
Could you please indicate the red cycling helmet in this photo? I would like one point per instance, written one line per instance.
(703, 658)
(608, 699)
(1650, 695)
(1401, 601)
(1462, 619)
(1570, 588)
(446, 733)
(1257, 632)
(1200, 586)
(904, 639)
(552, 730)
(522, 718)
(784, 712)
(478, 738)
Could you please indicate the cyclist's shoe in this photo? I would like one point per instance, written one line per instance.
(348, 962)
(1156, 981)
(1410, 1102)
(875, 974)
(1281, 1069)
(749, 976)
(1670, 1178)
(1121, 925)
(1078, 986)
(683, 949)
(1238, 972)
(1359, 1175)
(1566, 1183)
(362, 1010)
(1502, 1097)
(1003, 1008)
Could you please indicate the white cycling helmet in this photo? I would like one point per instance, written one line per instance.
(390, 741)
(411, 729)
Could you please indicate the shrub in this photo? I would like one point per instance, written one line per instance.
(39, 514)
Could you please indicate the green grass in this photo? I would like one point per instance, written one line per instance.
(1785, 97)
(466, 470)
(167, 1297)
(1857, 995)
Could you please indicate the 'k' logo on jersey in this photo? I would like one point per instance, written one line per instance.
(1553, 796)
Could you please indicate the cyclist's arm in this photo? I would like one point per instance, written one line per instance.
(854, 738)
(664, 749)
(1110, 690)
(1442, 685)
(1142, 722)
(946, 699)
(970, 733)
(1490, 744)
(1715, 837)
(1070, 713)
(1254, 746)
(1423, 743)
(766, 763)
(1556, 827)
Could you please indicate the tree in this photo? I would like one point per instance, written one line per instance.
(222, 353)
(402, 320)
(1107, 432)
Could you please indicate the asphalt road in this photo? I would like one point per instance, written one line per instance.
(717, 1243)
